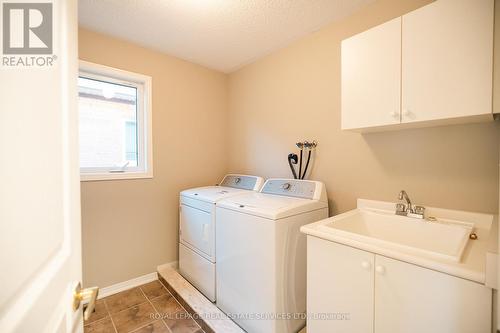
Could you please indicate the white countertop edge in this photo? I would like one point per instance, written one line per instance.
(493, 239)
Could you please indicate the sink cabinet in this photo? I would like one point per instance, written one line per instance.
(339, 281)
(355, 291)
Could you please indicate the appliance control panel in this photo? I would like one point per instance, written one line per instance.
(292, 188)
(244, 182)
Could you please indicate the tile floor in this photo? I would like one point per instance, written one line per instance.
(148, 308)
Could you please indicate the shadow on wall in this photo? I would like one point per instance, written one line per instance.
(420, 151)
(431, 156)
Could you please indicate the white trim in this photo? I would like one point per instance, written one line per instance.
(86, 177)
(144, 121)
(125, 285)
(129, 284)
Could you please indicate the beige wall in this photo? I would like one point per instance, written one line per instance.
(294, 94)
(130, 226)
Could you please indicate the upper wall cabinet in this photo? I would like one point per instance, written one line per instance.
(445, 62)
(371, 77)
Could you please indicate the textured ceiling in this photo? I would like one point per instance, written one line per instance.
(220, 34)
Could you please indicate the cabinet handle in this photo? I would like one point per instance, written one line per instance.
(380, 269)
(366, 265)
(407, 112)
(395, 114)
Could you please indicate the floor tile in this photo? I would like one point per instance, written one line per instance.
(153, 289)
(100, 312)
(156, 327)
(124, 299)
(166, 305)
(183, 324)
(100, 326)
(134, 317)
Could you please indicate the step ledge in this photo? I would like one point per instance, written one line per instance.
(207, 315)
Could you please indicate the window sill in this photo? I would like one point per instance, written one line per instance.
(91, 177)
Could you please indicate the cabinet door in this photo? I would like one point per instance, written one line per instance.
(413, 299)
(447, 60)
(371, 77)
(339, 285)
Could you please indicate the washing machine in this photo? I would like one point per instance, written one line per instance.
(197, 225)
(261, 254)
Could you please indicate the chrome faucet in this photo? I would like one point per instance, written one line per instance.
(403, 195)
(408, 209)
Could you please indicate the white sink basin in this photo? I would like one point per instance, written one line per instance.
(442, 239)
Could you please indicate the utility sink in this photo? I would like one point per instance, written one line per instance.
(437, 239)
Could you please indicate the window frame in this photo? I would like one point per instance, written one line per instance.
(143, 84)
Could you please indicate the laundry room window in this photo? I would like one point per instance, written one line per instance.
(115, 123)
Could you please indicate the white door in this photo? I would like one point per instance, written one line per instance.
(413, 299)
(447, 60)
(339, 282)
(371, 77)
(40, 243)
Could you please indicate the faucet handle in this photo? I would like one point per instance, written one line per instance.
(401, 209)
(420, 210)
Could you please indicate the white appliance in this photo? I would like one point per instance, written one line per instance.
(261, 254)
(197, 228)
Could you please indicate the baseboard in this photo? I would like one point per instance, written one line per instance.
(121, 286)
